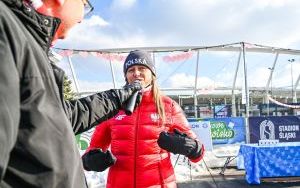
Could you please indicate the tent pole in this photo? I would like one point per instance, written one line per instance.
(247, 93)
(233, 106)
(195, 88)
(112, 72)
(73, 74)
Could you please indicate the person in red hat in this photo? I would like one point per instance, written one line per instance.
(140, 143)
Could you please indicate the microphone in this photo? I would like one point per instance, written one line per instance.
(129, 107)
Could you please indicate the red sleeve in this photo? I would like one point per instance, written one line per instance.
(180, 123)
(101, 137)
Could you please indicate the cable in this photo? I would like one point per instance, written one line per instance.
(190, 166)
(212, 177)
(176, 161)
(168, 76)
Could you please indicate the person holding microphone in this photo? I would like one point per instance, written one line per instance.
(37, 125)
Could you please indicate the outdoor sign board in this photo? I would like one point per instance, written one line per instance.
(229, 130)
(282, 128)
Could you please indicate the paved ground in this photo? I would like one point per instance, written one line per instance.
(237, 182)
(234, 178)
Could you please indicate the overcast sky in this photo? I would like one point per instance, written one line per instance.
(153, 23)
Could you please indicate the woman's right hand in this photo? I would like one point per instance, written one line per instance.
(97, 160)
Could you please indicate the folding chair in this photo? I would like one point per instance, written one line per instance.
(228, 151)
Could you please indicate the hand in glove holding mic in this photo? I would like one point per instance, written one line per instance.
(134, 100)
(97, 160)
(124, 94)
(180, 143)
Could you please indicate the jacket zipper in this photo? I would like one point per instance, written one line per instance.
(135, 146)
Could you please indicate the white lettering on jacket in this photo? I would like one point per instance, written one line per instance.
(120, 117)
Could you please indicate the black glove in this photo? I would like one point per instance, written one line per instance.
(97, 160)
(124, 94)
(179, 143)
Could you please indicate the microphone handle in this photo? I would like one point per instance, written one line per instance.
(131, 103)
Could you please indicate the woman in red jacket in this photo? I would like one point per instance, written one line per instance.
(141, 143)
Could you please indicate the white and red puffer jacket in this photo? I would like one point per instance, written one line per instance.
(140, 161)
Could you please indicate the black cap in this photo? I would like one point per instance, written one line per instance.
(138, 57)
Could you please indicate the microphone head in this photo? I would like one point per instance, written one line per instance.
(140, 83)
(136, 82)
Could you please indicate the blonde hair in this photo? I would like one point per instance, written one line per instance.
(158, 99)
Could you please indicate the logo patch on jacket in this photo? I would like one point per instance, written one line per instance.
(120, 117)
(154, 117)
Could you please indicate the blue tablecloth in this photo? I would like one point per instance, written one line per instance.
(278, 160)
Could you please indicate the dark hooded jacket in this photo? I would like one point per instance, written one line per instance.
(37, 144)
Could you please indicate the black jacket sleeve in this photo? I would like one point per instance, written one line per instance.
(9, 100)
(87, 112)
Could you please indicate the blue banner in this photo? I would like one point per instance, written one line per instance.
(282, 128)
(229, 130)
